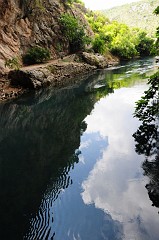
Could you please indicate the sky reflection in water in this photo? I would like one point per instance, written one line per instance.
(106, 196)
(75, 174)
(116, 184)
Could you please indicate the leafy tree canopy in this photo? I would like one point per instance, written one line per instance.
(120, 39)
(74, 32)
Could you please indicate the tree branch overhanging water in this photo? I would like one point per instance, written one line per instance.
(147, 136)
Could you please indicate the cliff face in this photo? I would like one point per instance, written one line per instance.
(15, 31)
(24, 23)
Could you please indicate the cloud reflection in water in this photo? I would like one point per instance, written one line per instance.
(116, 184)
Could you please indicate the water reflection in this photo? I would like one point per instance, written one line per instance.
(147, 137)
(38, 143)
(72, 218)
(115, 184)
(44, 135)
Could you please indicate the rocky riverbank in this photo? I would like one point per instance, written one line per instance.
(7, 91)
(57, 73)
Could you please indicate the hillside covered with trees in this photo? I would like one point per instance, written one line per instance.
(118, 38)
(137, 14)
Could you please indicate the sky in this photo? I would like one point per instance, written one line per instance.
(104, 4)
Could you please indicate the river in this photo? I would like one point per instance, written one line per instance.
(68, 165)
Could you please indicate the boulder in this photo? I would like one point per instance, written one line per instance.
(32, 79)
(57, 74)
(95, 59)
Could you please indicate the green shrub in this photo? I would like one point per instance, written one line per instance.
(13, 63)
(98, 45)
(36, 55)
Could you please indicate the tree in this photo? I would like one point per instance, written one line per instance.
(147, 111)
(122, 47)
(120, 39)
(144, 44)
(147, 136)
(156, 11)
(74, 32)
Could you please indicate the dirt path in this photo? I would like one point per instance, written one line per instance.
(41, 65)
(10, 92)
(65, 60)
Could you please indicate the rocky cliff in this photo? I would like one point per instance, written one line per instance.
(24, 23)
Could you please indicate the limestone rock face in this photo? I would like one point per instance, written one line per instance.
(24, 23)
(14, 30)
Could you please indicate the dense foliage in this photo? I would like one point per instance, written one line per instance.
(98, 45)
(144, 44)
(117, 37)
(36, 55)
(157, 33)
(147, 135)
(147, 110)
(147, 107)
(74, 32)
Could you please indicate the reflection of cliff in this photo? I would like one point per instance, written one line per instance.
(37, 142)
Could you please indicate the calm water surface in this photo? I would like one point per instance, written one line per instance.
(68, 166)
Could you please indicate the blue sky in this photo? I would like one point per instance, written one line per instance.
(103, 4)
